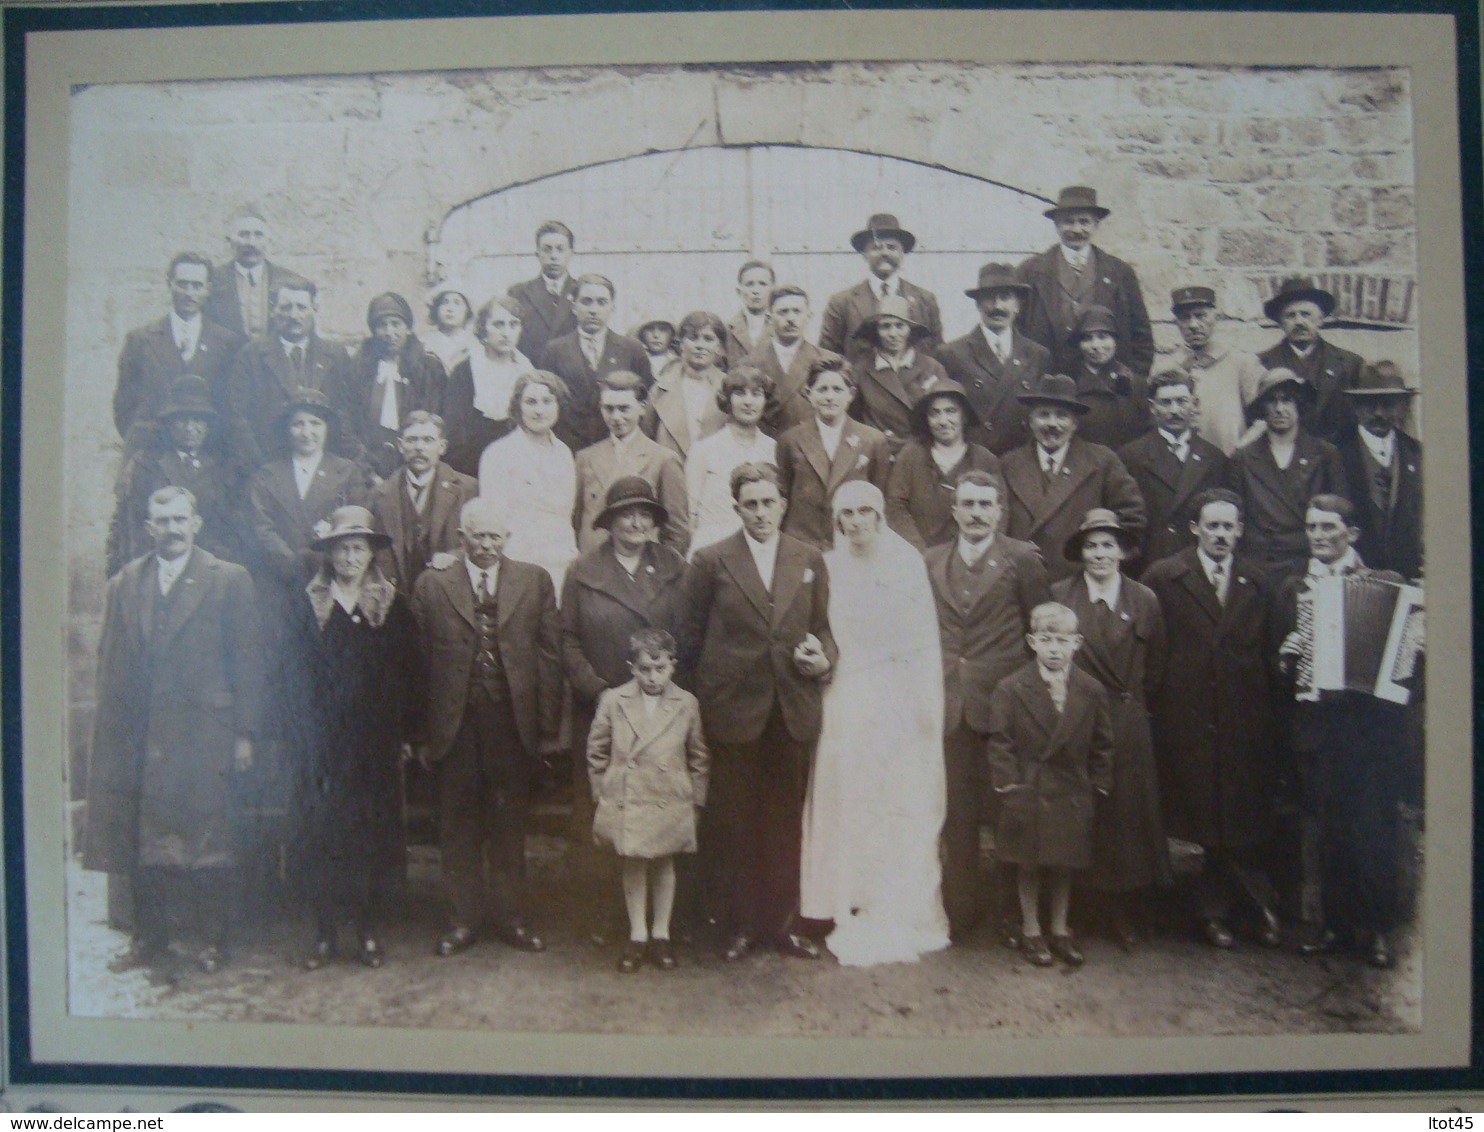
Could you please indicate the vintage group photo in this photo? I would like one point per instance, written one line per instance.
(830, 550)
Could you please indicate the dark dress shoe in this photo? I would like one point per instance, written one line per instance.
(800, 947)
(211, 960)
(1034, 950)
(320, 954)
(521, 939)
(455, 940)
(631, 958)
(1065, 948)
(662, 954)
(740, 947)
(1324, 943)
(1217, 934)
(371, 954)
(1122, 930)
(1380, 954)
(139, 955)
(1267, 933)
(1011, 936)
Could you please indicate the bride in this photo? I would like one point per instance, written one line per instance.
(876, 794)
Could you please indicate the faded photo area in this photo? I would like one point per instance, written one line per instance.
(891, 550)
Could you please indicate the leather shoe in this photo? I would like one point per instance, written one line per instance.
(1217, 934)
(1380, 954)
(318, 955)
(800, 947)
(521, 939)
(1065, 948)
(1322, 944)
(739, 948)
(1267, 933)
(211, 960)
(1012, 937)
(632, 956)
(371, 954)
(456, 939)
(139, 955)
(1033, 948)
(1122, 931)
(662, 954)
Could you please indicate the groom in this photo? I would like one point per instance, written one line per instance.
(757, 605)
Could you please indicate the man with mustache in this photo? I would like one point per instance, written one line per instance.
(242, 289)
(1383, 466)
(884, 244)
(1300, 308)
(1222, 380)
(993, 362)
(786, 356)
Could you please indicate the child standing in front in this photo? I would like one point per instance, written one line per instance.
(648, 766)
(1050, 754)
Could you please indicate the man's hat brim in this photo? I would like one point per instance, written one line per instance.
(865, 235)
(979, 292)
(1273, 308)
(1031, 400)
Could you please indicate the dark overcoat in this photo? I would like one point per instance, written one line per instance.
(261, 383)
(171, 705)
(150, 364)
(1055, 763)
(283, 524)
(448, 491)
(1050, 316)
(1169, 487)
(1330, 369)
(810, 478)
(886, 396)
(1275, 499)
(420, 386)
(581, 421)
(214, 482)
(1390, 535)
(1122, 649)
(222, 305)
(1215, 724)
(469, 431)
(789, 405)
(547, 316)
(992, 386)
(1117, 401)
(919, 495)
(848, 309)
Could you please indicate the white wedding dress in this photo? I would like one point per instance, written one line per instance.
(876, 797)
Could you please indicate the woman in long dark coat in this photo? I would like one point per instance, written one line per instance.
(356, 683)
(1123, 645)
(919, 495)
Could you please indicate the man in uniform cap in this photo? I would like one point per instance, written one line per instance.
(994, 362)
(884, 243)
(1075, 274)
(1300, 308)
(1222, 380)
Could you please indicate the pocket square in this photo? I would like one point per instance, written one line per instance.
(808, 576)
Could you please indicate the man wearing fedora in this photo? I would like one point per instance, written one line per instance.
(488, 628)
(1075, 274)
(1300, 308)
(417, 506)
(894, 370)
(994, 362)
(1383, 467)
(1222, 380)
(1053, 480)
(884, 244)
(185, 452)
(548, 298)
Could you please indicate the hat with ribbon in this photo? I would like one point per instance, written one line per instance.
(348, 522)
(893, 306)
(630, 491)
(1298, 288)
(1077, 198)
(883, 225)
(1380, 379)
(1098, 519)
(998, 277)
(190, 396)
(1053, 389)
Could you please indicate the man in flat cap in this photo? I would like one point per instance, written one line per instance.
(884, 244)
(1222, 380)
(1075, 274)
(994, 362)
(1300, 308)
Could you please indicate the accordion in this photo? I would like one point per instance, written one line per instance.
(1358, 634)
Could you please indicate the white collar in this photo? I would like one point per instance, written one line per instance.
(343, 599)
(907, 359)
(1005, 338)
(892, 284)
(786, 353)
(308, 464)
(1054, 679)
(971, 552)
(830, 433)
(252, 274)
(559, 288)
(1209, 564)
(1076, 259)
(1381, 447)
(187, 328)
(630, 562)
(1058, 457)
(290, 347)
(1105, 592)
(424, 480)
(626, 443)
(1348, 563)
(170, 569)
(475, 573)
(1181, 441)
(1314, 345)
(598, 337)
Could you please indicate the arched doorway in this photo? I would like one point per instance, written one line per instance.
(671, 229)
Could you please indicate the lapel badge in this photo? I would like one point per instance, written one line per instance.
(649, 569)
(1106, 279)
(808, 575)
(1303, 462)
(1241, 580)
(1124, 616)
(1196, 456)
(1411, 467)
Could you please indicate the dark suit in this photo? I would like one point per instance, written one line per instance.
(215, 484)
(1168, 486)
(1048, 513)
(761, 716)
(1050, 317)
(983, 615)
(1329, 369)
(849, 308)
(1388, 503)
(886, 396)
(420, 386)
(261, 383)
(415, 539)
(790, 407)
(1275, 499)
(919, 495)
(224, 307)
(992, 387)
(739, 343)
(150, 364)
(494, 702)
(598, 465)
(1117, 403)
(581, 422)
(548, 316)
(809, 477)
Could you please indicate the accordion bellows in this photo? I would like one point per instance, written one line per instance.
(1358, 633)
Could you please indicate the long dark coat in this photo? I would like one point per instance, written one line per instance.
(352, 700)
(1050, 317)
(1275, 499)
(847, 309)
(1390, 536)
(150, 365)
(468, 430)
(420, 387)
(1055, 763)
(1330, 369)
(1169, 486)
(1215, 725)
(261, 383)
(810, 477)
(1117, 401)
(171, 705)
(581, 421)
(547, 316)
(216, 485)
(886, 396)
(1129, 847)
(992, 386)
(919, 496)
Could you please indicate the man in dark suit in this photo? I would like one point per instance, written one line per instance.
(985, 585)
(269, 371)
(1300, 308)
(155, 356)
(786, 357)
(1075, 274)
(489, 630)
(1171, 465)
(757, 608)
(179, 689)
(747, 330)
(547, 299)
(884, 244)
(1383, 469)
(994, 363)
(242, 289)
(419, 505)
(1057, 478)
(585, 356)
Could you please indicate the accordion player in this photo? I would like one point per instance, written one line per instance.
(1358, 633)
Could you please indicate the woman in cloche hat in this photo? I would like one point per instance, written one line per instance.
(352, 686)
(1122, 628)
(894, 371)
(1116, 398)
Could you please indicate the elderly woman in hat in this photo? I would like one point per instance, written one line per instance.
(1123, 641)
(894, 371)
(683, 403)
(449, 311)
(919, 495)
(745, 395)
(1117, 408)
(355, 684)
(1279, 472)
(391, 376)
(476, 403)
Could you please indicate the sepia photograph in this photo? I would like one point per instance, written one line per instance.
(916, 557)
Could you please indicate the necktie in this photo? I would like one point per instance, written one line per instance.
(1218, 579)
(296, 359)
(486, 586)
(590, 351)
(884, 290)
(184, 345)
(419, 494)
(1177, 449)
